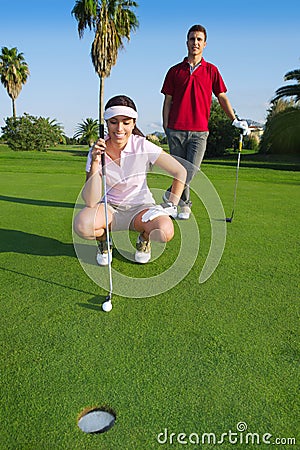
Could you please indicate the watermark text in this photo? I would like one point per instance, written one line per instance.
(233, 437)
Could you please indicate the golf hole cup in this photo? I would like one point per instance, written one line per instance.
(96, 420)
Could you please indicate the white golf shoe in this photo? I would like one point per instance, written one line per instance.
(102, 256)
(143, 251)
(185, 212)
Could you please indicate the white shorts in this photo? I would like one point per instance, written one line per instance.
(123, 216)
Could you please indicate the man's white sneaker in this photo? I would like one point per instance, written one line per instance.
(143, 251)
(102, 253)
(185, 212)
(170, 209)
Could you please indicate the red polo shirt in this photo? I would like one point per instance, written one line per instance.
(192, 94)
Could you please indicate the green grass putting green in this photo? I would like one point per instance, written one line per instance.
(196, 359)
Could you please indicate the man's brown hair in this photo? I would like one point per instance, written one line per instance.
(197, 28)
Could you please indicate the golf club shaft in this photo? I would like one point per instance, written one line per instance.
(237, 172)
(101, 129)
(236, 179)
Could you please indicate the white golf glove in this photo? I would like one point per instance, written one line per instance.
(165, 209)
(242, 124)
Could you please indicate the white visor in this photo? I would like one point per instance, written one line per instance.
(120, 111)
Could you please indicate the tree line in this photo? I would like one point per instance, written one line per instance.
(113, 21)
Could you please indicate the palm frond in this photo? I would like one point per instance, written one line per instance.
(292, 90)
(293, 75)
(85, 12)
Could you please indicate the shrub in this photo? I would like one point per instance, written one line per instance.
(31, 133)
(251, 143)
(222, 134)
(153, 138)
(282, 133)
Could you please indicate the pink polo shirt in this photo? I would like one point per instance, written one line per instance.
(192, 94)
(127, 182)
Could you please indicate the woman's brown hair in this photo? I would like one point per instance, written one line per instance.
(123, 100)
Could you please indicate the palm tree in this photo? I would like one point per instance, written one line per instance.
(112, 21)
(87, 131)
(282, 128)
(291, 90)
(14, 72)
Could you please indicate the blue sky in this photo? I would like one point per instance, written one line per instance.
(253, 44)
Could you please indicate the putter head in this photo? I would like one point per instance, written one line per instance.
(229, 219)
(108, 297)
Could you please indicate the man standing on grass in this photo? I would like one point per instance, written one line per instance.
(188, 89)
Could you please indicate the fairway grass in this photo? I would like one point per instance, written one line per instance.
(198, 358)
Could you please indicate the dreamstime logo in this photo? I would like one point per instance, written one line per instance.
(139, 287)
(240, 436)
